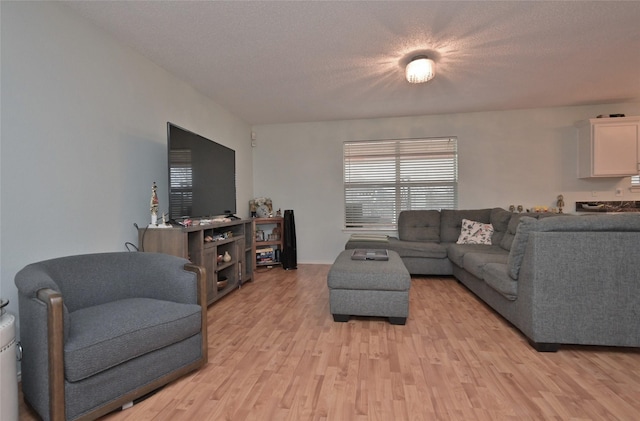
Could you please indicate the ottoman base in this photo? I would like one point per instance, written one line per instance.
(343, 318)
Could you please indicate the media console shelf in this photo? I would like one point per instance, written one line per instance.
(202, 244)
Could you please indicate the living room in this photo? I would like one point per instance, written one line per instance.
(84, 137)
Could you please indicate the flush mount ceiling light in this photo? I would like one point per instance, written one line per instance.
(420, 69)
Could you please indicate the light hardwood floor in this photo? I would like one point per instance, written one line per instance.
(276, 354)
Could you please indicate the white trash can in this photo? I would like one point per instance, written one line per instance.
(8, 368)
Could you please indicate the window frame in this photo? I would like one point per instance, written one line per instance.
(635, 184)
(383, 177)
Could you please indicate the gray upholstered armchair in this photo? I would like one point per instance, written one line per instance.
(101, 330)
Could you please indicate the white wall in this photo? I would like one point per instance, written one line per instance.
(84, 137)
(523, 157)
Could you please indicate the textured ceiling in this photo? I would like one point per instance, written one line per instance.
(283, 62)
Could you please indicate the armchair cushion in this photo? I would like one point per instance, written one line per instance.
(131, 327)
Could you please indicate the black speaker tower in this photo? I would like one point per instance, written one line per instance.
(289, 249)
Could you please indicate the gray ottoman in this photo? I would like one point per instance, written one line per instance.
(369, 288)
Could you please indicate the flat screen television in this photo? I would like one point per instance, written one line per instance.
(202, 176)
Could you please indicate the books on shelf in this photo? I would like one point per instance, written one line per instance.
(265, 255)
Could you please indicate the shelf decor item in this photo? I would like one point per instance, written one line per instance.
(226, 257)
(560, 203)
(261, 207)
(154, 203)
(275, 233)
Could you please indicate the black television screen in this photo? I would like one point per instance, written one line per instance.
(202, 176)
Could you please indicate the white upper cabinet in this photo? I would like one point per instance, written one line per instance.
(609, 147)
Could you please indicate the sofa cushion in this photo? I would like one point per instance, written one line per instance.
(497, 277)
(475, 262)
(507, 239)
(451, 222)
(500, 221)
(617, 222)
(456, 252)
(516, 254)
(624, 222)
(131, 327)
(473, 232)
(418, 249)
(419, 225)
(512, 227)
(369, 238)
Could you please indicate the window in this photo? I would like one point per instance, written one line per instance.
(384, 177)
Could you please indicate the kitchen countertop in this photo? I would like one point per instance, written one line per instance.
(608, 206)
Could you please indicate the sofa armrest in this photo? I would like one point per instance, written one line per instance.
(581, 288)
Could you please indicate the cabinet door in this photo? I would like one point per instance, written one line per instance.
(615, 149)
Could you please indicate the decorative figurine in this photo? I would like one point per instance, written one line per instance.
(560, 203)
(520, 208)
(276, 233)
(154, 204)
(512, 208)
(269, 204)
(262, 206)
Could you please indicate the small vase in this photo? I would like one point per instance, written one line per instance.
(226, 257)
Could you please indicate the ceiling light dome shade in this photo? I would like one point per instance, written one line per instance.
(420, 69)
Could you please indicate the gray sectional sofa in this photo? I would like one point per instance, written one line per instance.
(560, 280)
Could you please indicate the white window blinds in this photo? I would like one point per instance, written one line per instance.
(384, 177)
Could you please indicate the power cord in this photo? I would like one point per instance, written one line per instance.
(129, 245)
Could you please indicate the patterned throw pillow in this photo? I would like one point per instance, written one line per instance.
(473, 232)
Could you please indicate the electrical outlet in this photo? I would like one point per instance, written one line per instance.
(619, 192)
(594, 193)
